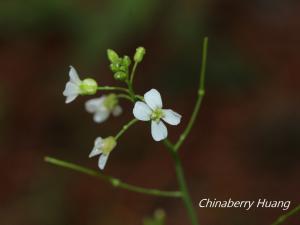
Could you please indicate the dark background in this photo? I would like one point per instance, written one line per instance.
(245, 143)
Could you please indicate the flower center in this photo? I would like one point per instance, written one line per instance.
(110, 102)
(157, 114)
(109, 144)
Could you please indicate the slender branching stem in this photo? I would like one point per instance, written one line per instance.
(173, 149)
(125, 128)
(284, 217)
(113, 181)
(125, 96)
(139, 97)
(110, 88)
(169, 144)
(201, 92)
(130, 90)
(133, 72)
(184, 189)
(182, 183)
(130, 82)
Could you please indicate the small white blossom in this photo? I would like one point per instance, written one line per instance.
(152, 110)
(103, 147)
(75, 86)
(104, 106)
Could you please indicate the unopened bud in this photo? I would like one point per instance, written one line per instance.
(121, 76)
(139, 54)
(112, 56)
(126, 61)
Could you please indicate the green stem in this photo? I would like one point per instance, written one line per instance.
(139, 97)
(125, 128)
(182, 183)
(169, 145)
(184, 190)
(113, 181)
(133, 72)
(284, 217)
(173, 149)
(201, 93)
(130, 90)
(130, 82)
(110, 88)
(127, 97)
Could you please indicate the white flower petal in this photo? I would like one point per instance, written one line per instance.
(158, 130)
(171, 117)
(97, 147)
(98, 142)
(70, 98)
(101, 116)
(71, 89)
(117, 111)
(74, 78)
(71, 92)
(102, 161)
(153, 99)
(141, 111)
(94, 104)
(94, 152)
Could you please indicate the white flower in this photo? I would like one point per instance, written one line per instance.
(103, 147)
(75, 86)
(104, 106)
(152, 110)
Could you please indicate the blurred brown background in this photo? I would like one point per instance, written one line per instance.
(245, 144)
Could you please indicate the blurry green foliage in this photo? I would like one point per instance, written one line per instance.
(93, 26)
(158, 218)
(20, 17)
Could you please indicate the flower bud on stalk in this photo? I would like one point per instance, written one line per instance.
(126, 61)
(139, 54)
(112, 56)
(75, 86)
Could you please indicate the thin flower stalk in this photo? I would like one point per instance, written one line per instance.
(111, 180)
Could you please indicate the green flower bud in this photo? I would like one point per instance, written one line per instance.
(123, 68)
(121, 76)
(115, 67)
(126, 61)
(109, 144)
(88, 87)
(139, 54)
(112, 56)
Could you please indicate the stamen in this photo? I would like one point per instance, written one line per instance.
(157, 114)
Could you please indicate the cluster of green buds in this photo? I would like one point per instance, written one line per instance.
(118, 65)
